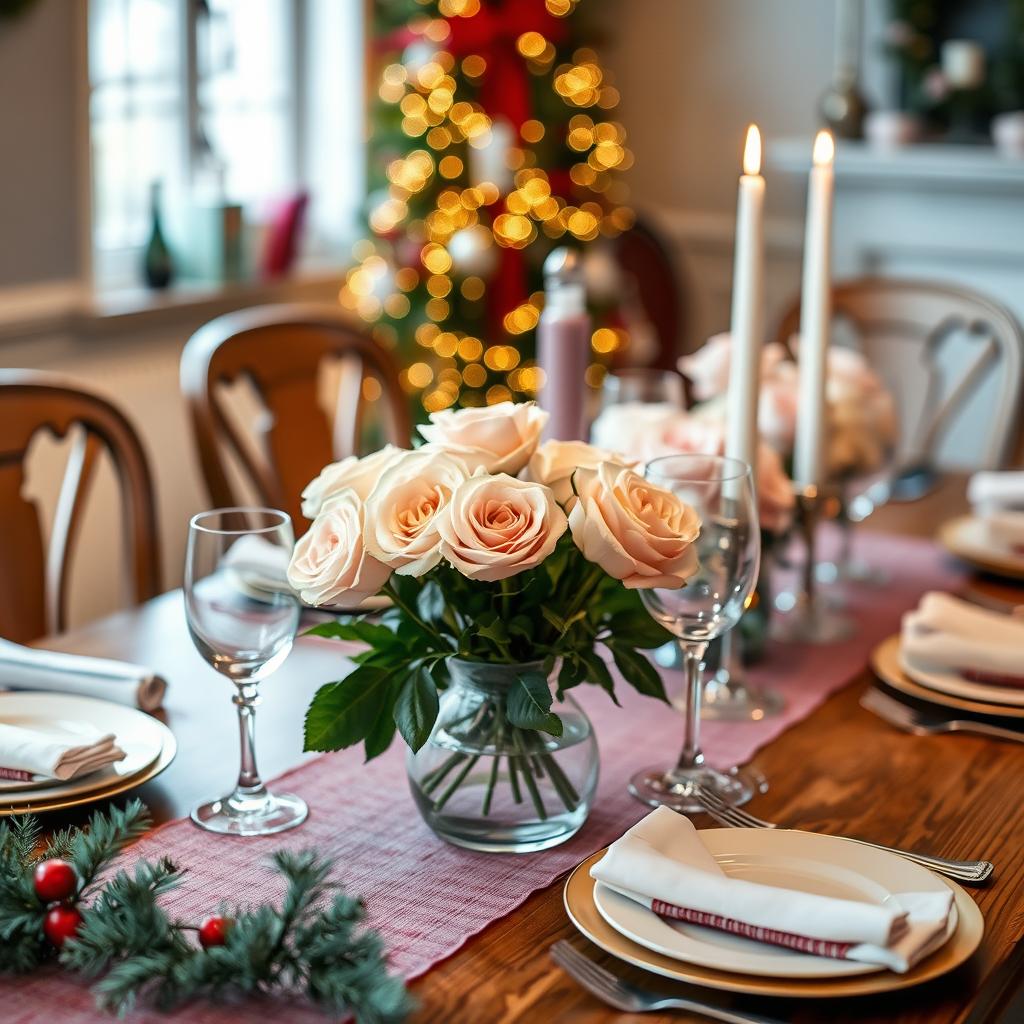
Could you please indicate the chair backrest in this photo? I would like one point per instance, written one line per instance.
(33, 574)
(280, 350)
(953, 358)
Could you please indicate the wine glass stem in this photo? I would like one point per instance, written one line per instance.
(250, 784)
(810, 523)
(693, 657)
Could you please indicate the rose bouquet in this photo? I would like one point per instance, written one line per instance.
(861, 413)
(500, 556)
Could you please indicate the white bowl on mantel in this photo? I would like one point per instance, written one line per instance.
(891, 129)
(1008, 134)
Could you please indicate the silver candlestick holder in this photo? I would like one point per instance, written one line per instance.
(810, 619)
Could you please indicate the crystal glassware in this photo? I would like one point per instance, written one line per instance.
(242, 616)
(482, 783)
(709, 604)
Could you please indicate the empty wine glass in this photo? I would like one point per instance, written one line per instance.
(242, 617)
(710, 603)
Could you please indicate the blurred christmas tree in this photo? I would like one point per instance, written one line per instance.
(491, 142)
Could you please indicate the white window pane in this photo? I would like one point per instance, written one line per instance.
(154, 37)
(255, 145)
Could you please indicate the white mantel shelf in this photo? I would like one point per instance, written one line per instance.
(952, 167)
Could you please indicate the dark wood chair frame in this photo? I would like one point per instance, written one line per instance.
(35, 575)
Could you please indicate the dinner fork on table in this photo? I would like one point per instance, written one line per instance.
(921, 723)
(971, 872)
(631, 998)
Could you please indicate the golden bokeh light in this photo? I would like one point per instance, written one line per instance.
(472, 288)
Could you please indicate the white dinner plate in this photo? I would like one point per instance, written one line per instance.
(140, 736)
(967, 538)
(885, 662)
(956, 686)
(805, 861)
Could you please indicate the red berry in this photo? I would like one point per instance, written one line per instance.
(55, 880)
(214, 931)
(61, 923)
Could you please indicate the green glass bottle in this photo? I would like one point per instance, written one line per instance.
(158, 267)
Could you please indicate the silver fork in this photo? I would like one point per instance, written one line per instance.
(970, 871)
(909, 719)
(632, 999)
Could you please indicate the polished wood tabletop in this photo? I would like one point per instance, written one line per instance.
(840, 771)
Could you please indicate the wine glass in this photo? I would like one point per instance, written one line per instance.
(242, 616)
(721, 491)
(643, 385)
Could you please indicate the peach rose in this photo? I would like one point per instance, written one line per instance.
(500, 438)
(699, 434)
(498, 526)
(330, 562)
(359, 474)
(637, 532)
(403, 510)
(554, 463)
(708, 368)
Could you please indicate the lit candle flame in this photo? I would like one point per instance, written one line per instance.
(824, 149)
(752, 151)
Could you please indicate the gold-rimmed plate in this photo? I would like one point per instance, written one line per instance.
(885, 663)
(150, 747)
(966, 537)
(583, 912)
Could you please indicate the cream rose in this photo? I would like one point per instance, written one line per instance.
(554, 463)
(500, 438)
(637, 532)
(330, 562)
(703, 433)
(708, 368)
(403, 510)
(498, 526)
(359, 474)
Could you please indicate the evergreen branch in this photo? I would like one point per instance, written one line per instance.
(106, 835)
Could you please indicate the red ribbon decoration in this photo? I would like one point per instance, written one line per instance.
(492, 33)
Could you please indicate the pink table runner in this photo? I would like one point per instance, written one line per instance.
(427, 897)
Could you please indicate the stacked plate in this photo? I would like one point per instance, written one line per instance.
(805, 861)
(967, 537)
(148, 744)
(948, 689)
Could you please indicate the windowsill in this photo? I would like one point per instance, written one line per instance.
(70, 308)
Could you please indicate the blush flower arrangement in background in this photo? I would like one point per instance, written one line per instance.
(493, 548)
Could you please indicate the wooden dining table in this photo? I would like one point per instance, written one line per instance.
(841, 771)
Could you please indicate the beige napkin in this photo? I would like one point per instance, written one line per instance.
(26, 754)
(991, 490)
(998, 500)
(947, 634)
(662, 863)
(25, 668)
(1005, 530)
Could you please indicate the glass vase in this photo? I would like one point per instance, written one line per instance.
(484, 784)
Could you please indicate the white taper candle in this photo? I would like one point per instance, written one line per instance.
(747, 307)
(815, 319)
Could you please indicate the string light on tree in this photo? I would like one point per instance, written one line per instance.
(491, 142)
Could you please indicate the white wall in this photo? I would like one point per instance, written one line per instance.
(692, 75)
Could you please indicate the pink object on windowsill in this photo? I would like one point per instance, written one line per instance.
(283, 233)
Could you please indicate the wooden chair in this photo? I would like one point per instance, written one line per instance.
(34, 576)
(967, 365)
(280, 350)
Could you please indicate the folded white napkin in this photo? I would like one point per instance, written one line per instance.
(991, 490)
(25, 668)
(26, 754)
(1005, 529)
(662, 863)
(947, 634)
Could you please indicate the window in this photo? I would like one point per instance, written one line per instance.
(237, 101)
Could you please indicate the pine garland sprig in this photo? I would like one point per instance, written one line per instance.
(315, 944)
